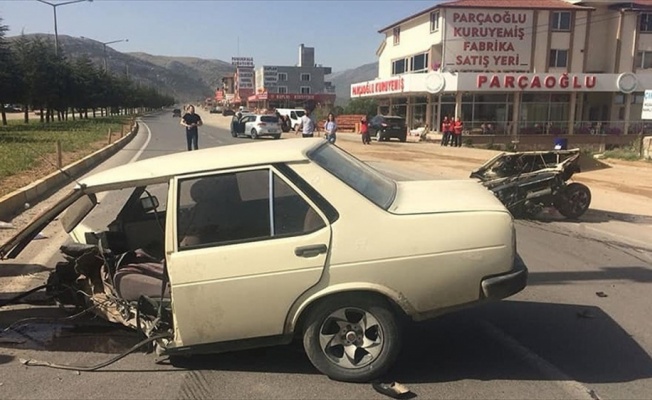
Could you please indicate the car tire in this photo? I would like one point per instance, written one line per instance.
(339, 351)
(234, 133)
(254, 134)
(403, 138)
(574, 200)
(277, 136)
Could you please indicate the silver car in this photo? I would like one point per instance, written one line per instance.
(257, 125)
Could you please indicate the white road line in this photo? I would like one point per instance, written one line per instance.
(575, 389)
(144, 146)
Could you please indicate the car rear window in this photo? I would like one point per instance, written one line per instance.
(268, 118)
(365, 180)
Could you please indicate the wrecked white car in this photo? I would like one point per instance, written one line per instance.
(255, 244)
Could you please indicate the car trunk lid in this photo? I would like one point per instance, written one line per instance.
(423, 197)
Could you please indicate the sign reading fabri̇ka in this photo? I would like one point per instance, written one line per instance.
(495, 40)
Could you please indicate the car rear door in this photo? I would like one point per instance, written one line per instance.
(249, 246)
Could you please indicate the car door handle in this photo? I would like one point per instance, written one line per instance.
(310, 251)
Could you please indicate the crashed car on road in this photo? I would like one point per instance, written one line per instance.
(256, 244)
(526, 182)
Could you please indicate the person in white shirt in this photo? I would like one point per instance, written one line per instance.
(307, 124)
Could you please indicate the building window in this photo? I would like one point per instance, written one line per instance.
(282, 76)
(434, 21)
(419, 63)
(305, 77)
(397, 35)
(561, 21)
(558, 59)
(646, 22)
(644, 60)
(282, 89)
(305, 90)
(398, 67)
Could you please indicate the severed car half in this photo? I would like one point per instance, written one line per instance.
(255, 244)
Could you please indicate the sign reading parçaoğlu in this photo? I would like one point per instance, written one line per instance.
(497, 40)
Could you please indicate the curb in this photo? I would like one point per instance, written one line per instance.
(13, 203)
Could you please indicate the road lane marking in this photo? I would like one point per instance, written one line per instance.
(575, 389)
(144, 146)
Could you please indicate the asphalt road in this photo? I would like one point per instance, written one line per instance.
(580, 330)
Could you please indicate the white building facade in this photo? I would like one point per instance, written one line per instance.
(518, 66)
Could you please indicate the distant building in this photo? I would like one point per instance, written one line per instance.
(291, 86)
(518, 66)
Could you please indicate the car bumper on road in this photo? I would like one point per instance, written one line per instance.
(507, 284)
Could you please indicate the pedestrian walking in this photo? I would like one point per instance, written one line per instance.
(307, 124)
(364, 130)
(458, 127)
(446, 131)
(191, 121)
(331, 128)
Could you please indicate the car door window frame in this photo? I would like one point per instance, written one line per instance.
(272, 171)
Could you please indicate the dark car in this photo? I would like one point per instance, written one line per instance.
(227, 111)
(385, 127)
(216, 110)
(176, 113)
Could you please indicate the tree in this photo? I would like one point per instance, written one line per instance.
(361, 106)
(8, 83)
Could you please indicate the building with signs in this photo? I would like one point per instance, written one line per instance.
(518, 66)
(292, 86)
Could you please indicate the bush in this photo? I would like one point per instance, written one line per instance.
(624, 153)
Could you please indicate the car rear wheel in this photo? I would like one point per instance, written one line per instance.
(277, 136)
(403, 138)
(574, 201)
(254, 134)
(352, 338)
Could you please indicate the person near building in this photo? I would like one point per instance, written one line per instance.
(445, 131)
(307, 124)
(191, 121)
(364, 130)
(458, 127)
(331, 128)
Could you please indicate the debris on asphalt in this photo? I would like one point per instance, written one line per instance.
(601, 294)
(394, 390)
(585, 314)
(6, 225)
(40, 236)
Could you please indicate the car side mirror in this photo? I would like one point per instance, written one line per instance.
(149, 203)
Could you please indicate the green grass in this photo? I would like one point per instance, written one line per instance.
(625, 153)
(24, 146)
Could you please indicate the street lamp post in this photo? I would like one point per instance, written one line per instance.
(54, 7)
(106, 65)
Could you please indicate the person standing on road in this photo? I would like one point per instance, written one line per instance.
(445, 131)
(307, 124)
(331, 128)
(191, 121)
(458, 127)
(364, 130)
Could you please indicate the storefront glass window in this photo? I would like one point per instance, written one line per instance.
(544, 113)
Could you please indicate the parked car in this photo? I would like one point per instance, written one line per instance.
(252, 245)
(294, 114)
(176, 113)
(216, 110)
(227, 112)
(385, 127)
(256, 125)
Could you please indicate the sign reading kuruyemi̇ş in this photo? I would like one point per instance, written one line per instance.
(495, 40)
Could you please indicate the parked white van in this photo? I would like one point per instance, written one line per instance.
(295, 115)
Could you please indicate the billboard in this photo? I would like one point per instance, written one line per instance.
(488, 39)
(245, 78)
(242, 61)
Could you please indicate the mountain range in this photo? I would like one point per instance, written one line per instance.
(185, 78)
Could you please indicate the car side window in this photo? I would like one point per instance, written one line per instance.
(236, 207)
(292, 214)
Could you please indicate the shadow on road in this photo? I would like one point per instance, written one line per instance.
(592, 216)
(581, 341)
(11, 270)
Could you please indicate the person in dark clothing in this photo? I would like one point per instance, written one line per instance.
(191, 121)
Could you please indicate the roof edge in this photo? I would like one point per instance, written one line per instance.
(451, 4)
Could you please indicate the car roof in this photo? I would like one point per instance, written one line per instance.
(163, 168)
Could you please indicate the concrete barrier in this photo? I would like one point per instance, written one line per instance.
(14, 202)
(647, 148)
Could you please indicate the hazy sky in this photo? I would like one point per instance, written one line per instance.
(344, 33)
